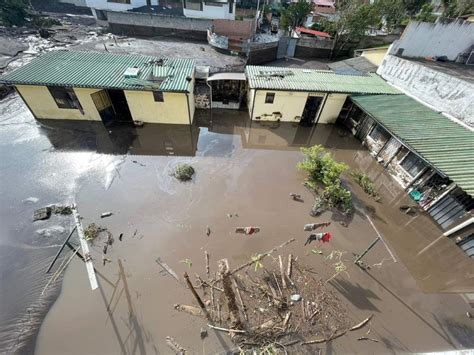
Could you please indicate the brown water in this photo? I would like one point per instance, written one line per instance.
(241, 168)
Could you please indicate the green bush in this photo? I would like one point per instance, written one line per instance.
(13, 12)
(183, 172)
(323, 170)
(365, 182)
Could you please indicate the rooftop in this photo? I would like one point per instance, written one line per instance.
(460, 71)
(103, 70)
(278, 78)
(446, 145)
(357, 65)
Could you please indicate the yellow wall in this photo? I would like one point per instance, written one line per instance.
(173, 109)
(42, 104)
(375, 56)
(332, 108)
(291, 105)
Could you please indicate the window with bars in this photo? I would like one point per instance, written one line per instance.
(270, 97)
(412, 164)
(64, 97)
(379, 134)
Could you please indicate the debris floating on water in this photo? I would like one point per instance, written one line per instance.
(183, 172)
(106, 214)
(247, 230)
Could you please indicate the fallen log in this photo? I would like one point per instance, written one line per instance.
(194, 311)
(367, 338)
(196, 296)
(283, 280)
(319, 341)
(206, 255)
(361, 324)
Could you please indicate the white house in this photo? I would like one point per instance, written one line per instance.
(116, 5)
(214, 9)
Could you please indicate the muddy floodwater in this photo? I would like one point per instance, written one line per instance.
(245, 172)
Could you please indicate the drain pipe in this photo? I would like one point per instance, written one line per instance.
(189, 109)
(210, 103)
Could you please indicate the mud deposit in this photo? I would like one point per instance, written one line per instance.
(244, 175)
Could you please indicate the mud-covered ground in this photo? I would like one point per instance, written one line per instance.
(241, 168)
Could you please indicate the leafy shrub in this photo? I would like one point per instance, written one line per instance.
(366, 183)
(183, 172)
(322, 169)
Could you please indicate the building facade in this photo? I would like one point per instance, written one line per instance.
(112, 88)
(215, 9)
(304, 96)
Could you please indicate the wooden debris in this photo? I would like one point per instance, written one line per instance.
(206, 256)
(286, 320)
(367, 338)
(226, 329)
(261, 256)
(196, 296)
(362, 324)
(319, 341)
(173, 345)
(194, 311)
(283, 280)
(239, 296)
(167, 269)
(229, 294)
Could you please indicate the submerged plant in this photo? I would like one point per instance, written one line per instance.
(366, 183)
(257, 259)
(183, 172)
(187, 262)
(338, 265)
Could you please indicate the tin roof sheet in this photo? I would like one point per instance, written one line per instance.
(291, 79)
(445, 144)
(102, 70)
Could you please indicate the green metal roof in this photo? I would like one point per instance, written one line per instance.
(446, 145)
(102, 70)
(291, 79)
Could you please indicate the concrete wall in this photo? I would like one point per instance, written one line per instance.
(243, 29)
(113, 6)
(258, 53)
(40, 101)
(211, 12)
(375, 56)
(444, 93)
(173, 109)
(422, 39)
(288, 106)
(311, 47)
(141, 24)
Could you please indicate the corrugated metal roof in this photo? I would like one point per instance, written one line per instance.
(101, 70)
(291, 79)
(446, 145)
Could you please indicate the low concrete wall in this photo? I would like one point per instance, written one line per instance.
(262, 52)
(141, 24)
(308, 47)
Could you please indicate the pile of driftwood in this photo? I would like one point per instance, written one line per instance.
(260, 307)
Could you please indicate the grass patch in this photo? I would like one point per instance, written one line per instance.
(183, 172)
(324, 178)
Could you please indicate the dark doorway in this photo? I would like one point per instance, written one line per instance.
(112, 106)
(310, 111)
(120, 104)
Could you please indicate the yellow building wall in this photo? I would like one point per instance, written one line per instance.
(289, 103)
(40, 101)
(375, 56)
(332, 108)
(173, 109)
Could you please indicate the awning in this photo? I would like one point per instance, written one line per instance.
(445, 144)
(227, 76)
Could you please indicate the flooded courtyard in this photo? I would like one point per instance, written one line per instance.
(245, 172)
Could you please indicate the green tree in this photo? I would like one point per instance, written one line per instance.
(354, 20)
(295, 14)
(413, 7)
(426, 14)
(392, 11)
(13, 12)
(455, 8)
